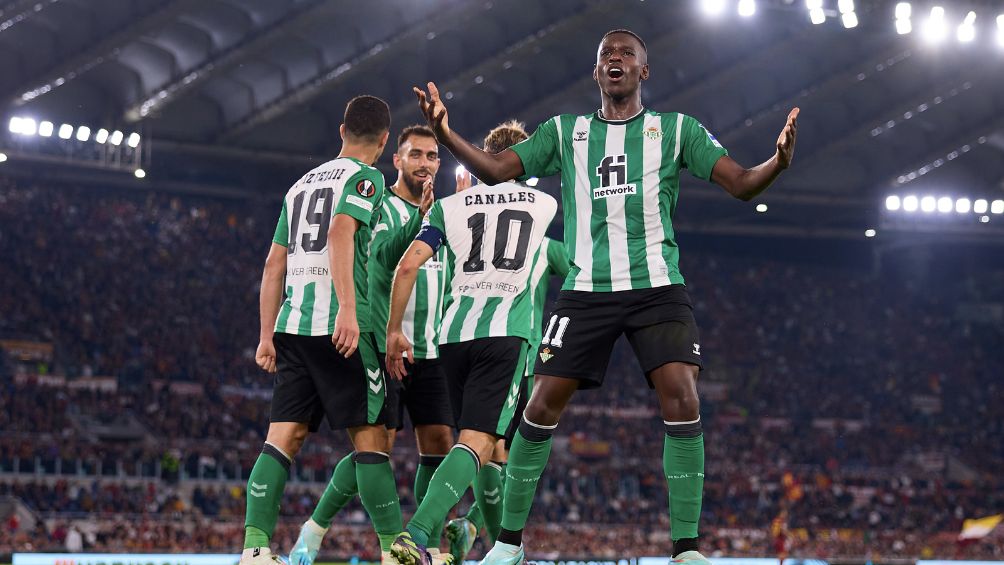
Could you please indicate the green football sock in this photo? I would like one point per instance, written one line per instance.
(527, 458)
(488, 492)
(475, 516)
(683, 463)
(447, 486)
(264, 492)
(427, 465)
(378, 493)
(340, 490)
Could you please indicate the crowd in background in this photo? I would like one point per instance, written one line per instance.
(864, 405)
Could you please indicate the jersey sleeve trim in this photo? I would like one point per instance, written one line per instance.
(281, 236)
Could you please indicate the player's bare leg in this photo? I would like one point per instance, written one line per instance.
(683, 453)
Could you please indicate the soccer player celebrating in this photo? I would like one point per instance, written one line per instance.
(424, 392)
(491, 235)
(318, 340)
(620, 168)
(553, 261)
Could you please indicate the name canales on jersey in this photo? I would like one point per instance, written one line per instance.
(508, 198)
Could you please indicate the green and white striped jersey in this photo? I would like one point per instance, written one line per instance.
(395, 230)
(341, 186)
(492, 235)
(620, 181)
(553, 262)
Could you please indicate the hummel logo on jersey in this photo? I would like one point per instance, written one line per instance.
(697, 349)
(257, 490)
(513, 393)
(376, 380)
(580, 136)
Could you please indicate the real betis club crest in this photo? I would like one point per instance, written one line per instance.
(653, 133)
(545, 354)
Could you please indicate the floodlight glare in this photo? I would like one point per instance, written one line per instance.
(967, 29)
(817, 16)
(460, 170)
(140, 173)
(935, 28)
(28, 126)
(997, 207)
(892, 203)
(133, 140)
(945, 204)
(101, 136)
(962, 205)
(850, 20)
(116, 138)
(761, 208)
(984, 219)
(65, 131)
(3, 157)
(713, 7)
(45, 129)
(83, 133)
(903, 10)
(15, 125)
(1000, 30)
(845, 6)
(928, 204)
(747, 8)
(903, 27)
(980, 206)
(910, 203)
(869, 233)
(814, 4)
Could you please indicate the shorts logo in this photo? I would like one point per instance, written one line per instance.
(580, 136)
(653, 133)
(375, 380)
(557, 339)
(545, 355)
(697, 349)
(366, 188)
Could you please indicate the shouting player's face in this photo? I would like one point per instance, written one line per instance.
(418, 161)
(621, 65)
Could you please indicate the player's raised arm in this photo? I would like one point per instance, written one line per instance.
(341, 254)
(398, 345)
(490, 168)
(744, 183)
(269, 301)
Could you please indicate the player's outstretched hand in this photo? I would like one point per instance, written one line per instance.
(786, 141)
(434, 110)
(428, 198)
(265, 355)
(346, 336)
(398, 348)
(463, 180)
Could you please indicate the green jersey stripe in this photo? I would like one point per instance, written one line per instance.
(280, 324)
(484, 326)
(307, 309)
(463, 307)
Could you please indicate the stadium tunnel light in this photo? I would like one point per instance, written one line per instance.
(65, 131)
(892, 203)
(46, 128)
(133, 140)
(967, 29)
(83, 133)
(935, 28)
(116, 138)
(747, 8)
(910, 203)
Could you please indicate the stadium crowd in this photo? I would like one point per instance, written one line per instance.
(864, 405)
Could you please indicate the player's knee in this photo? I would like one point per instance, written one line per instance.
(542, 412)
(478, 443)
(288, 437)
(434, 439)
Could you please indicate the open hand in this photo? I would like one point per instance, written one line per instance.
(428, 198)
(786, 140)
(433, 110)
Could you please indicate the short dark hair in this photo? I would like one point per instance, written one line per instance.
(504, 136)
(367, 117)
(628, 32)
(416, 129)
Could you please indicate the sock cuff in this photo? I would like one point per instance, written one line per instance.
(494, 465)
(692, 428)
(370, 458)
(430, 460)
(277, 454)
(535, 432)
(474, 455)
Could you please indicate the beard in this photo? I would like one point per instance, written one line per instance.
(413, 184)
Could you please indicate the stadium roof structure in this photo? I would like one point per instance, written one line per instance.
(242, 95)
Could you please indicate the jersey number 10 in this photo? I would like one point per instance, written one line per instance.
(476, 223)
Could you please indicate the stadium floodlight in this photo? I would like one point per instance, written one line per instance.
(928, 204)
(460, 170)
(967, 29)
(83, 133)
(945, 204)
(3, 157)
(1000, 30)
(903, 27)
(814, 4)
(984, 219)
(713, 7)
(15, 125)
(761, 208)
(870, 232)
(28, 126)
(962, 205)
(140, 173)
(850, 20)
(133, 140)
(903, 10)
(116, 138)
(997, 207)
(101, 136)
(845, 6)
(980, 206)
(892, 203)
(910, 204)
(532, 181)
(747, 8)
(817, 16)
(65, 131)
(46, 128)
(935, 29)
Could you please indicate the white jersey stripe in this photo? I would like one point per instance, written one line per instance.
(620, 263)
(583, 210)
(679, 132)
(652, 163)
(471, 321)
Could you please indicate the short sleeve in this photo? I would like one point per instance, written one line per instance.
(361, 195)
(557, 258)
(281, 236)
(700, 149)
(433, 230)
(540, 153)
